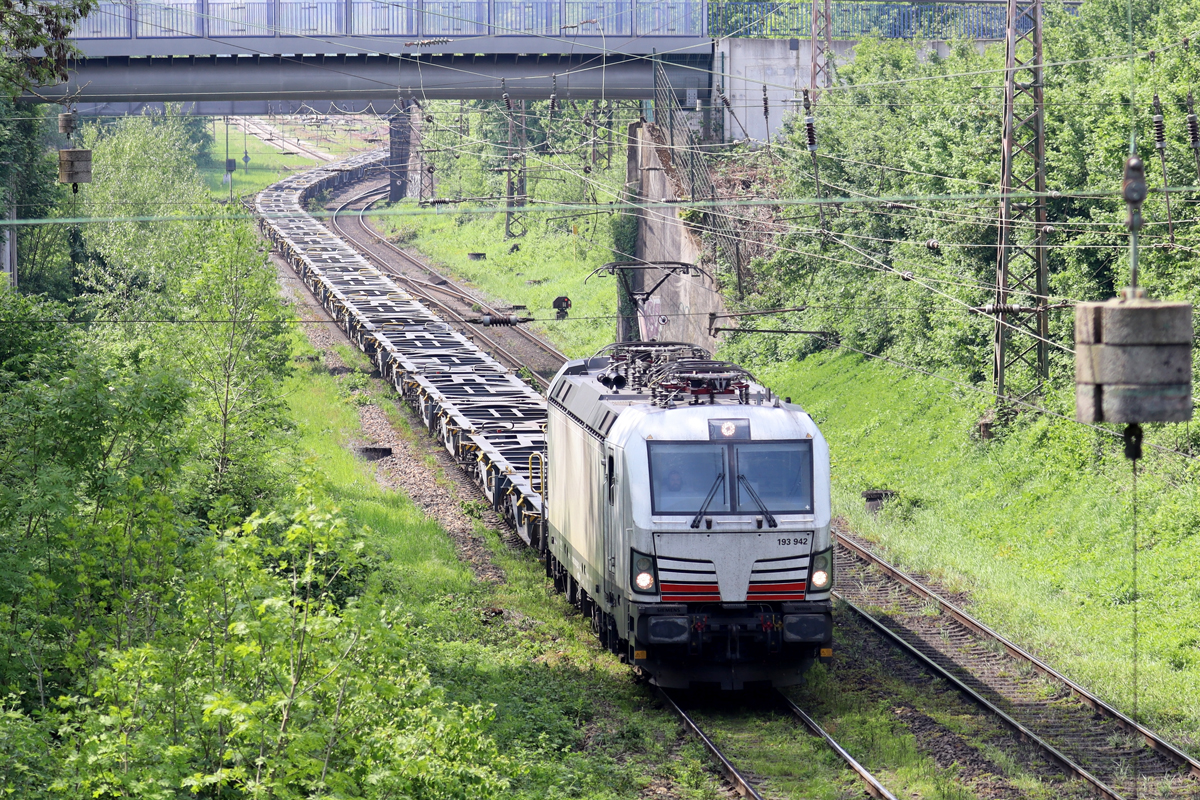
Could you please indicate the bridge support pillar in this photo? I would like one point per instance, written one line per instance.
(399, 138)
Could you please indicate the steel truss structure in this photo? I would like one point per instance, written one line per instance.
(822, 47)
(1022, 333)
(489, 420)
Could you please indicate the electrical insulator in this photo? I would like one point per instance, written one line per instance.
(507, 99)
(1193, 125)
(933, 245)
(807, 101)
(1160, 134)
(810, 128)
(724, 100)
(587, 170)
(507, 319)
(429, 118)
(766, 103)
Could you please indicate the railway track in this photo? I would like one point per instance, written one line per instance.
(743, 783)
(515, 345)
(1115, 756)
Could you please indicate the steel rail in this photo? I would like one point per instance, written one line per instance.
(873, 786)
(1152, 739)
(513, 360)
(1025, 733)
(740, 784)
(423, 266)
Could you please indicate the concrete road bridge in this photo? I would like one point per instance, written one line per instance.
(285, 56)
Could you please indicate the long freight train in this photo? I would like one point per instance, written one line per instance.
(680, 505)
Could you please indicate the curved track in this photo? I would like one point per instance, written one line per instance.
(493, 424)
(515, 345)
(1087, 737)
(489, 420)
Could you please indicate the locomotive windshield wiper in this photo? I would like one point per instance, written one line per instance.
(771, 523)
(711, 494)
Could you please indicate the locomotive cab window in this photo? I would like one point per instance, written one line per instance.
(682, 475)
(743, 478)
(780, 473)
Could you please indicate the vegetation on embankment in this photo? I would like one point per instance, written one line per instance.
(532, 270)
(205, 592)
(1036, 525)
(555, 248)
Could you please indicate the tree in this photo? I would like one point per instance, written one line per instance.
(235, 348)
(27, 26)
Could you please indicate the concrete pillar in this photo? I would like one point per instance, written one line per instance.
(399, 137)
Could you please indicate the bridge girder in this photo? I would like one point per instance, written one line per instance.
(251, 84)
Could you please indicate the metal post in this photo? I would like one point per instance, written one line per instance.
(399, 139)
(9, 261)
(1021, 255)
(822, 46)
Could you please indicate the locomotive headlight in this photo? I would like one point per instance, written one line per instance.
(821, 575)
(642, 572)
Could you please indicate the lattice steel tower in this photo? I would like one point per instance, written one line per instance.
(822, 47)
(1021, 335)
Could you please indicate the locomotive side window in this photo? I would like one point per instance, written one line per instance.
(780, 474)
(683, 475)
(612, 480)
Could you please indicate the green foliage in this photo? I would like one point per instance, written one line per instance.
(904, 126)
(1035, 525)
(28, 173)
(277, 682)
(236, 349)
(27, 27)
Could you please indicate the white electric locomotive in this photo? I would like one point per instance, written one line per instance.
(688, 516)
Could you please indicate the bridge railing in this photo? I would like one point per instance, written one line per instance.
(853, 19)
(231, 19)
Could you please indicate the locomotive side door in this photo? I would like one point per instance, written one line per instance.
(611, 520)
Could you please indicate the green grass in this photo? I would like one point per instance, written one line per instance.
(569, 715)
(550, 262)
(267, 165)
(1036, 525)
